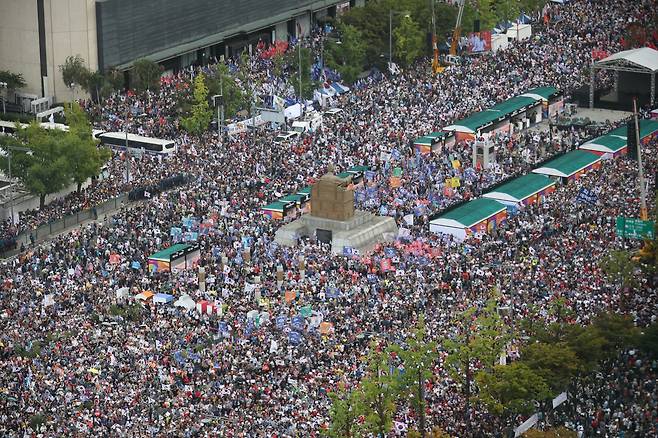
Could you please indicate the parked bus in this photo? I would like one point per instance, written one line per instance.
(9, 127)
(117, 140)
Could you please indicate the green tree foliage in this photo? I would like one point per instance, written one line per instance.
(146, 75)
(201, 114)
(14, 81)
(507, 10)
(223, 82)
(618, 331)
(649, 340)
(487, 14)
(346, 407)
(55, 158)
(379, 394)
(74, 71)
(85, 158)
(483, 339)
(418, 359)
(555, 363)
(619, 268)
(587, 343)
(45, 169)
(372, 20)
(349, 56)
(409, 41)
(302, 57)
(511, 389)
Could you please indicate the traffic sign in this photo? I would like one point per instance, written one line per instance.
(634, 228)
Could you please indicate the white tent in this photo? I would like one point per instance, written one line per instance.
(186, 302)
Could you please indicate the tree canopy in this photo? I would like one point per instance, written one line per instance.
(200, 115)
(54, 158)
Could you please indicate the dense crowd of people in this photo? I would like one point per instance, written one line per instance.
(76, 360)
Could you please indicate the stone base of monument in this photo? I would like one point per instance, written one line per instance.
(362, 232)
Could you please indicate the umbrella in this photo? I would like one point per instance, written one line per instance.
(144, 295)
(163, 298)
(186, 302)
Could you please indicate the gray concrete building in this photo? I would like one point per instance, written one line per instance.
(36, 36)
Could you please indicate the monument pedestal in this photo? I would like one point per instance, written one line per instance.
(361, 232)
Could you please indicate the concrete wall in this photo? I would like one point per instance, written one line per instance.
(70, 29)
(281, 31)
(19, 41)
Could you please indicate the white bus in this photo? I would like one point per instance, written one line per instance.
(9, 127)
(118, 140)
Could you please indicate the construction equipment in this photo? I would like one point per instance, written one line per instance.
(456, 35)
(451, 58)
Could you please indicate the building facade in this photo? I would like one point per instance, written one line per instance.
(36, 36)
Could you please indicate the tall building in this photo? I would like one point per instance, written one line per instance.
(36, 36)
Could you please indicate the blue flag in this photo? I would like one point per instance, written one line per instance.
(294, 338)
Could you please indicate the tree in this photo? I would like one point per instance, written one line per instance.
(487, 14)
(45, 169)
(619, 268)
(146, 75)
(74, 72)
(418, 359)
(94, 83)
(408, 41)
(348, 57)
(201, 115)
(84, 157)
(483, 338)
(587, 343)
(649, 340)
(379, 394)
(618, 331)
(507, 10)
(556, 363)
(346, 407)
(222, 82)
(511, 389)
(14, 81)
(303, 56)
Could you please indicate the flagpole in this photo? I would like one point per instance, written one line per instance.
(643, 195)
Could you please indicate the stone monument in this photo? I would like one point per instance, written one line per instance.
(333, 219)
(331, 199)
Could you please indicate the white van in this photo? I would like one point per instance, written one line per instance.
(308, 124)
(285, 137)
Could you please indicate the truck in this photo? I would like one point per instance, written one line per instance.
(309, 124)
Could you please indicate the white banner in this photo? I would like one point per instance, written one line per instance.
(527, 424)
(557, 401)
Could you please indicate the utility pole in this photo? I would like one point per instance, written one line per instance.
(127, 154)
(390, 38)
(643, 194)
(9, 154)
(299, 51)
(3, 85)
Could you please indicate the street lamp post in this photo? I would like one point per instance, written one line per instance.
(4, 96)
(10, 149)
(391, 12)
(72, 91)
(127, 154)
(220, 117)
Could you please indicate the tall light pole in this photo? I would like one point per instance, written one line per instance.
(3, 85)
(73, 92)
(390, 34)
(218, 101)
(643, 195)
(390, 38)
(127, 154)
(9, 154)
